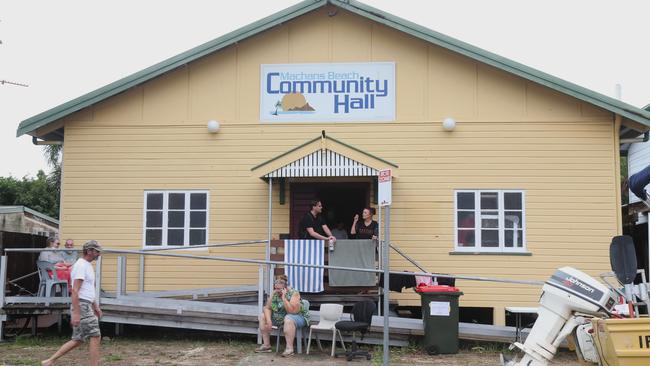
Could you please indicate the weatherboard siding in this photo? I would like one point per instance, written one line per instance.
(511, 134)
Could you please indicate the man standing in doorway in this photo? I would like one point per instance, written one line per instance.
(85, 312)
(312, 225)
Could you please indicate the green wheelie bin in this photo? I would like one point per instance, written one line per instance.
(440, 318)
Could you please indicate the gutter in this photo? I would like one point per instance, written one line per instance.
(42, 142)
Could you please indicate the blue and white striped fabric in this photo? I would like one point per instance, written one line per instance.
(305, 279)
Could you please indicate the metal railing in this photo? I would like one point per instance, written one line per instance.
(121, 271)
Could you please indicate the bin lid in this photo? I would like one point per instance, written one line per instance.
(436, 288)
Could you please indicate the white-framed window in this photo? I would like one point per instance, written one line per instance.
(175, 218)
(490, 220)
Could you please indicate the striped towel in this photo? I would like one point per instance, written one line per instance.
(305, 279)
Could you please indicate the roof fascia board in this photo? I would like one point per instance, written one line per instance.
(41, 215)
(116, 87)
(318, 143)
(500, 62)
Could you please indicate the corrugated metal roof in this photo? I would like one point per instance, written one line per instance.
(323, 163)
(615, 106)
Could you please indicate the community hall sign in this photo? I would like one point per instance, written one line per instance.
(328, 92)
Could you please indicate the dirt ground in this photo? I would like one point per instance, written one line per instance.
(174, 349)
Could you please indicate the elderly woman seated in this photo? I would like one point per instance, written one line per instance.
(56, 259)
(283, 308)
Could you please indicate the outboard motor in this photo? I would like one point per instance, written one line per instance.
(567, 292)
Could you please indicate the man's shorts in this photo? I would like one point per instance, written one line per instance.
(88, 324)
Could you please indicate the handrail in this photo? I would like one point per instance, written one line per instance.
(399, 251)
(258, 261)
(38, 250)
(208, 246)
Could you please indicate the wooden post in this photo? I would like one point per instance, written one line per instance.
(3, 283)
(3, 279)
(499, 315)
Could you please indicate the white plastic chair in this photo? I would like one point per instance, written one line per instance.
(46, 283)
(329, 315)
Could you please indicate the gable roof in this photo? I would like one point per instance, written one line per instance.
(323, 156)
(611, 104)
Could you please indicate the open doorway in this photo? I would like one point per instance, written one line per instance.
(341, 201)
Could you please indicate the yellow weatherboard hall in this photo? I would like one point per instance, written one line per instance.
(525, 181)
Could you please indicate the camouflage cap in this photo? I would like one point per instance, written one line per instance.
(92, 244)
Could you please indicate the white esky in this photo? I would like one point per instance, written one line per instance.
(64, 49)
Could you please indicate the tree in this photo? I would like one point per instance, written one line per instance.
(53, 157)
(36, 193)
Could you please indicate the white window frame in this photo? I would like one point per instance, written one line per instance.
(165, 211)
(477, 248)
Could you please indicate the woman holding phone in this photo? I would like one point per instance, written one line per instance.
(367, 228)
(282, 308)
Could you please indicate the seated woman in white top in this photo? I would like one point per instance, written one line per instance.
(53, 257)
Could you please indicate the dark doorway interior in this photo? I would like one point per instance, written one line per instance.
(341, 201)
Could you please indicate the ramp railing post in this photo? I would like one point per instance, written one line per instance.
(98, 279)
(120, 290)
(260, 297)
(141, 277)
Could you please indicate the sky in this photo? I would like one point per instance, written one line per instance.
(64, 49)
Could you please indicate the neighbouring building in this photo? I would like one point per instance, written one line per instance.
(21, 219)
(312, 102)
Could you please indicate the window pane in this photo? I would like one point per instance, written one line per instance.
(154, 219)
(490, 238)
(465, 200)
(177, 201)
(512, 201)
(508, 240)
(175, 237)
(514, 238)
(466, 238)
(513, 219)
(154, 201)
(198, 201)
(489, 201)
(197, 237)
(176, 219)
(153, 237)
(197, 219)
(466, 219)
(489, 219)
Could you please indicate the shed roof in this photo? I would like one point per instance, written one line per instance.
(24, 209)
(30, 125)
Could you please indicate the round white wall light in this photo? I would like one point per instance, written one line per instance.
(213, 126)
(448, 124)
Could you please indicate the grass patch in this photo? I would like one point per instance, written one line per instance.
(25, 361)
(113, 358)
(39, 341)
